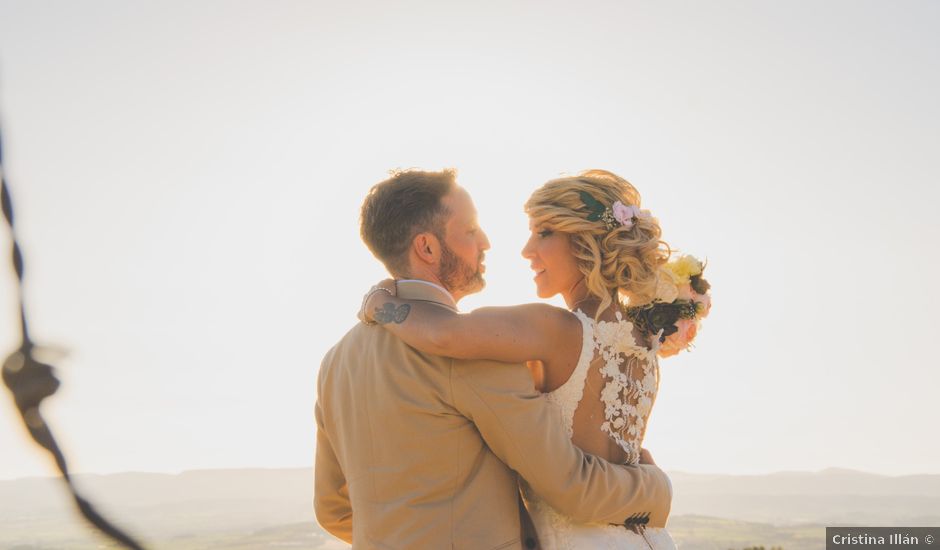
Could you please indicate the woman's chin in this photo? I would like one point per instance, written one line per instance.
(543, 292)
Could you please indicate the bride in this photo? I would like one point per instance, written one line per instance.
(591, 243)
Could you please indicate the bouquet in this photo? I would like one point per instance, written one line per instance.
(682, 301)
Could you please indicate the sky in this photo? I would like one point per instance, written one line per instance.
(187, 178)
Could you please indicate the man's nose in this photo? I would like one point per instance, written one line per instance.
(485, 241)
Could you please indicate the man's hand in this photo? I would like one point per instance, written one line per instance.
(646, 457)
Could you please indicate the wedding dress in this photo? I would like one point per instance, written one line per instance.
(629, 376)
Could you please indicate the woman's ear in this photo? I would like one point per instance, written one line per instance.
(427, 248)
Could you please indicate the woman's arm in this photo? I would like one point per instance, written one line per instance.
(510, 334)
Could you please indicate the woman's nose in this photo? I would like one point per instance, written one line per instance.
(527, 250)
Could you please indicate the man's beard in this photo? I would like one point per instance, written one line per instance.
(459, 276)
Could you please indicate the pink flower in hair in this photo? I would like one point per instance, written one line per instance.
(625, 214)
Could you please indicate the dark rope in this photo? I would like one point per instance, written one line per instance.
(31, 381)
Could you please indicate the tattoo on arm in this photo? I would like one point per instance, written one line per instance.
(388, 313)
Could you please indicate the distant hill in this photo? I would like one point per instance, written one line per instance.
(830, 497)
(257, 508)
(159, 507)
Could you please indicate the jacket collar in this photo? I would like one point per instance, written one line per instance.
(425, 291)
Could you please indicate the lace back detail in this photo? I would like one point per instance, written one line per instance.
(631, 379)
(630, 375)
(631, 372)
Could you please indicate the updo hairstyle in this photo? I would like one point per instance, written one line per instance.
(620, 261)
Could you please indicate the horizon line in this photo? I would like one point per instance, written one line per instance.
(829, 469)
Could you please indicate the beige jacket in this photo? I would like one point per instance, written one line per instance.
(417, 451)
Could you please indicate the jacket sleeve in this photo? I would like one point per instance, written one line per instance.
(330, 492)
(520, 428)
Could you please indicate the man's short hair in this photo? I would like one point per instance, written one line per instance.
(397, 209)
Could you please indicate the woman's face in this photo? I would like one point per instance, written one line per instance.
(549, 255)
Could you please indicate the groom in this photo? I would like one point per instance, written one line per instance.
(419, 451)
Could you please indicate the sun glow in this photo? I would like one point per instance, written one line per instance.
(189, 207)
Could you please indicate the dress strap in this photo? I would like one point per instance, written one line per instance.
(587, 351)
(568, 395)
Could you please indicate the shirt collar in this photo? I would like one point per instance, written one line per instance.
(416, 289)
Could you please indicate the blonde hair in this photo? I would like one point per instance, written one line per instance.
(621, 261)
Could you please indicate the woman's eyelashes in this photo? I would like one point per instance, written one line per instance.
(545, 233)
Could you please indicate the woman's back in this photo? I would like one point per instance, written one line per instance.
(606, 401)
(604, 404)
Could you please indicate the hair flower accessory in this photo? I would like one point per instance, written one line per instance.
(682, 301)
(618, 214)
(625, 214)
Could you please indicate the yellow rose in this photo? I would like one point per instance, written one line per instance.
(684, 268)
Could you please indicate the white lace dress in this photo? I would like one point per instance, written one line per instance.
(631, 376)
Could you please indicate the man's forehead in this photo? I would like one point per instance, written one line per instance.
(460, 204)
(458, 195)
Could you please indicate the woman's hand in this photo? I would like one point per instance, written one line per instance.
(370, 301)
(646, 457)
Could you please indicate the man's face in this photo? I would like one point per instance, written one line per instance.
(462, 248)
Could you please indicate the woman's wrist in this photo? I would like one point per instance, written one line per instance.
(368, 304)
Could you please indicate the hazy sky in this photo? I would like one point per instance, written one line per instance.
(188, 175)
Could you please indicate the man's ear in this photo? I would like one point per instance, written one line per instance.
(427, 248)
